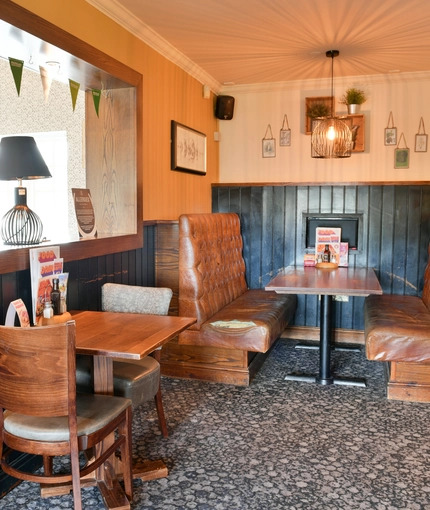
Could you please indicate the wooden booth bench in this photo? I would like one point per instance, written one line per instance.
(397, 331)
(236, 326)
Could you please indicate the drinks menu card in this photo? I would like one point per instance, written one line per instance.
(327, 236)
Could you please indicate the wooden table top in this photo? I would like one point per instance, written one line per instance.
(125, 335)
(349, 281)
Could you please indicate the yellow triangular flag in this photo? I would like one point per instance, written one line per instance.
(74, 89)
(17, 67)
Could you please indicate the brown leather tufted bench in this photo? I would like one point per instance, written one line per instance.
(212, 288)
(397, 331)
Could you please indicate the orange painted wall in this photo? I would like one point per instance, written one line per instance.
(169, 93)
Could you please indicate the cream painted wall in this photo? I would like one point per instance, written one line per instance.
(256, 107)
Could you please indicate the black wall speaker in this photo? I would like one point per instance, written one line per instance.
(224, 107)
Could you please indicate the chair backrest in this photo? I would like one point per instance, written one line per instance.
(37, 369)
(211, 265)
(132, 299)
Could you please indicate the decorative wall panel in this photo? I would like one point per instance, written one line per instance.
(393, 235)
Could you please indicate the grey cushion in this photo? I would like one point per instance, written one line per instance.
(132, 299)
(93, 412)
(137, 380)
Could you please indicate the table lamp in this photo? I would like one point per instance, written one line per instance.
(20, 159)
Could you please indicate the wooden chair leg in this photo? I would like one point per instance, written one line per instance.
(160, 412)
(159, 402)
(47, 465)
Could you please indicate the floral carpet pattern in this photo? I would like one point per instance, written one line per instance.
(277, 444)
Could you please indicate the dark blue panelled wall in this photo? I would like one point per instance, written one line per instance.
(394, 233)
(86, 277)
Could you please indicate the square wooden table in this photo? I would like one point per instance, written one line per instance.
(347, 281)
(109, 335)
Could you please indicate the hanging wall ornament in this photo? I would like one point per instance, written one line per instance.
(74, 89)
(390, 137)
(269, 144)
(421, 138)
(401, 154)
(46, 78)
(285, 133)
(16, 67)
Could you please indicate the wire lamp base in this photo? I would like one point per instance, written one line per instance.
(20, 225)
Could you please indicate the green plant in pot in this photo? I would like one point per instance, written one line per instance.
(316, 110)
(353, 98)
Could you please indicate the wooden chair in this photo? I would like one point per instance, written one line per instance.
(137, 380)
(43, 415)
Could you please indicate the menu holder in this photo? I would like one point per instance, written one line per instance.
(84, 213)
(17, 308)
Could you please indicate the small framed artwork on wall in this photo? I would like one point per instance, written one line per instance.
(188, 149)
(401, 158)
(421, 143)
(269, 144)
(391, 136)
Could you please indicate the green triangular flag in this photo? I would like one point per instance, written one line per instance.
(74, 89)
(96, 98)
(17, 67)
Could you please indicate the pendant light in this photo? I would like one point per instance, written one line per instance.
(331, 137)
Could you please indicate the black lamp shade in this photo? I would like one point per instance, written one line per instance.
(20, 158)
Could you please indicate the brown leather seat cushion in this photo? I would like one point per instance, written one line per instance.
(397, 328)
(269, 311)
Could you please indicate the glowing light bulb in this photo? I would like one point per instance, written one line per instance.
(331, 134)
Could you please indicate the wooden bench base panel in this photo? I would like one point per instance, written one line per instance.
(212, 364)
(409, 381)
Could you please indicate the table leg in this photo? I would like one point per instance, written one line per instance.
(325, 377)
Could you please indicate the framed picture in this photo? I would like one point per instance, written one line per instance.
(421, 143)
(285, 137)
(188, 149)
(401, 158)
(269, 148)
(390, 136)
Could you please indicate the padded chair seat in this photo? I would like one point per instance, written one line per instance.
(397, 328)
(269, 312)
(93, 413)
(137, 380)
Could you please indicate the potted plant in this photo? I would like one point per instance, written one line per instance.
(318, 110)
(353, 98)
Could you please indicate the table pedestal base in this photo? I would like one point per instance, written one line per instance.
(326, 382)
(325, 377)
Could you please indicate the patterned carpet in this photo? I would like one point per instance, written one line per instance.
(277, 444)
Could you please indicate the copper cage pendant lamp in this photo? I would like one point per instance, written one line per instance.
(331, 137)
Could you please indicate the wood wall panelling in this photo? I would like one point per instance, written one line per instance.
(394, 234)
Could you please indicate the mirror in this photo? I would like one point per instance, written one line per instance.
(107, 161)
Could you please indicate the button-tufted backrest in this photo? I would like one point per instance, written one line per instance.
(211, 265)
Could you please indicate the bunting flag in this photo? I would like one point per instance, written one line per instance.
(96, 98)
(46, 77)
(74, 89)
(17, 67)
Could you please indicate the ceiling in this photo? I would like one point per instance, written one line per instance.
(244, 42)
